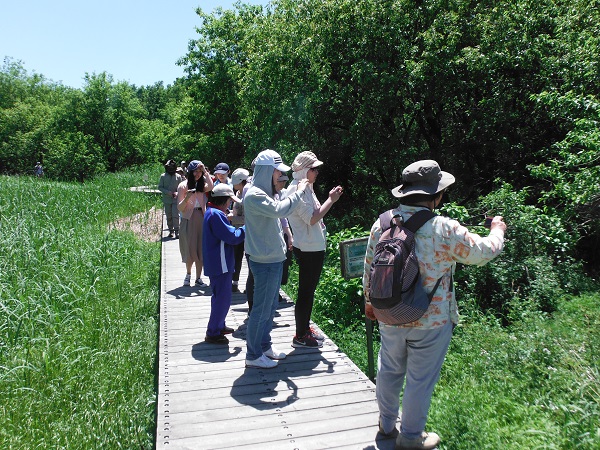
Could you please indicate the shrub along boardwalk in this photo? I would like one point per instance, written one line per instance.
(207, 399)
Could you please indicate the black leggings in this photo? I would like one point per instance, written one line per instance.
(310, 265)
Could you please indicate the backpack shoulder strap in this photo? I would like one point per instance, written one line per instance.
(419, 219)
(385, 220)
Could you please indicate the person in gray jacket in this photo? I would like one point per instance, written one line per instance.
(168, 186)
(266, 250)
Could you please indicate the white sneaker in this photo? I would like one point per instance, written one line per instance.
(186, 280)
(261, 363)
(274, 354)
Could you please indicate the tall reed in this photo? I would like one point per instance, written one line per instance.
(78, 320)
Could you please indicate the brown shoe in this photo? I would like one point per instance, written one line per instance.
(427, 441)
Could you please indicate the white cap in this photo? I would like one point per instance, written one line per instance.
(271, 158)
(224, 190)
(239, 175)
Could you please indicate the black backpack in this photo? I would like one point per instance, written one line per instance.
(395, 290)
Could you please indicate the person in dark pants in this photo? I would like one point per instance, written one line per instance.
(218, 241)
(287, 234)
(309, 245)
(239, 179)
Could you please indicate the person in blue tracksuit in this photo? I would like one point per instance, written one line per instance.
(218, 241)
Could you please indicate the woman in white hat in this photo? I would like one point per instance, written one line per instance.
(309, 245)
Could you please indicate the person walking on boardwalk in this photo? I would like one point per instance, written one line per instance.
(167, 184)
(415, 351)
(309, 245)
(218, 241)
(266, 248)
(191, 202)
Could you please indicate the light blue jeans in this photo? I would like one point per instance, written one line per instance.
(267, 280)
(416, 355)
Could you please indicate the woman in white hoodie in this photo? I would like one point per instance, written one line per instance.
(309, 244)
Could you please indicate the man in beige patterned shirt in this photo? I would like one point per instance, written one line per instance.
(416, 351)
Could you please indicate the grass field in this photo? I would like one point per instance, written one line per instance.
(78, 324)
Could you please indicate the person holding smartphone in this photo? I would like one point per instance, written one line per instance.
(191, 202)
(309, 244)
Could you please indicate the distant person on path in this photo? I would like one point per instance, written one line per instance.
(218, 241)
(167, 184)
(191, 202)
(239, 179)
(183, 167)
(415, 351)
(309, 244)
(266, 248)
(38, 170)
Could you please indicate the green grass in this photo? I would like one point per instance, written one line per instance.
(79, 316)
(534, 384)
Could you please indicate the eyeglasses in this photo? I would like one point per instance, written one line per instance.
(314, 169)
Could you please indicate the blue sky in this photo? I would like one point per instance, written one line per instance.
(133, 40)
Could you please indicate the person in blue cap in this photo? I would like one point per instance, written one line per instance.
(191, 202)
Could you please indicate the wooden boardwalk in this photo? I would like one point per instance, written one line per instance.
(207, 399)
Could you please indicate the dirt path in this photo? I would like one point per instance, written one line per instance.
(146, 225)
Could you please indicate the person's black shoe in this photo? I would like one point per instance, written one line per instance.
(171, 234)
(216, 339)
(235, 288)
(227, 330)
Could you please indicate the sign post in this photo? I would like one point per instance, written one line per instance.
(352, 253)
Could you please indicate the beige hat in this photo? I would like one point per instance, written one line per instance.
(224, 190)
(305, 160)
(423, 177)
(239, 175)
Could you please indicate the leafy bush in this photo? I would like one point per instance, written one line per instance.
(537, 266)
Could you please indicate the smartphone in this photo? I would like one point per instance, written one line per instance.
(488, 222)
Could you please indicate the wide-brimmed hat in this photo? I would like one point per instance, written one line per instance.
(270, 158)
(224, 190)
(239, 175)
(305, 160)
(423, 177)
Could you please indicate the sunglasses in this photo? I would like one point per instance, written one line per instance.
(314, 169)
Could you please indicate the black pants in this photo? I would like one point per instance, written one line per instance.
(249, 286)
(287, 263)
(310, 265)
(238, 253)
